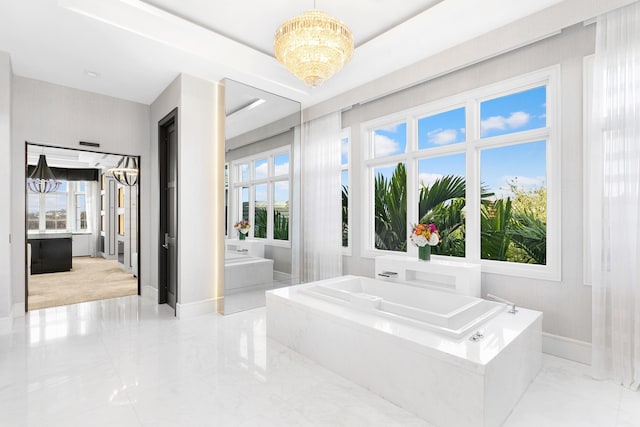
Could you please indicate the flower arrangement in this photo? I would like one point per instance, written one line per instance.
(425, 234)
(242, 226)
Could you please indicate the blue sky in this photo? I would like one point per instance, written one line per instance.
(526, 163)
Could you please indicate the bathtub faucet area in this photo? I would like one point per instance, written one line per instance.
(512, 310)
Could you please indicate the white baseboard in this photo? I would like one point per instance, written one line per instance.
(147, 291)
(198, 308)
(6, 325)
(567, 348)
(277, 275)
(18, 310)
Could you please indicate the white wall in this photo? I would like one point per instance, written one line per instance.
(60, 116)
(5, 188)
(201, 192)
(566, 304)
(200, 133)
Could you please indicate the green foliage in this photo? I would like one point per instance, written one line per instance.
(391, 210)
(441, 191)
(260, 227)
(280, 225)
(345, 216)
(512, 229)
(495, 220)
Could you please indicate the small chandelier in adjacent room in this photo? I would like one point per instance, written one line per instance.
(126, 171)
(42, 179)
(313, 46)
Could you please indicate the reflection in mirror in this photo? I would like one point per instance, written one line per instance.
(82, 236)
(262, 141)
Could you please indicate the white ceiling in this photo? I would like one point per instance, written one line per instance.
(137, 48)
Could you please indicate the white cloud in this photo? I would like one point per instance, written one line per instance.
(282, 191)
(282, 169)
(442, 136)
(262, 171)
(427, 179)
(385, 146)
(392, 128)
(514, 121)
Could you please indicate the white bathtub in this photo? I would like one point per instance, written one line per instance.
(446, 313)
(456, 361)
(243, 272)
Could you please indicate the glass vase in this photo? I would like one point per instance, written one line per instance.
(241, 235)
(424, 253)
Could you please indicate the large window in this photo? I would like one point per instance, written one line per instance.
(62, 210)
(483, 166)
(261, 189)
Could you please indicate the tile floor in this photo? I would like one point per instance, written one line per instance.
(128, 362)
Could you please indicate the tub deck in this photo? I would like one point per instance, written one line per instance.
(243, 272)
(446, 313)
(447, 380)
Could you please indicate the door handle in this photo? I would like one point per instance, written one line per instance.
(165, 246)
(166, 241)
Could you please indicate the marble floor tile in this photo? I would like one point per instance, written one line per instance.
(129, 362)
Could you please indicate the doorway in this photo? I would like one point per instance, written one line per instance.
(81, 235)
(168, 236)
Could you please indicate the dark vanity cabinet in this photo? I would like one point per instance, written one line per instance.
(50, 254)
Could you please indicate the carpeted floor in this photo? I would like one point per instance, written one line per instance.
(90, 279)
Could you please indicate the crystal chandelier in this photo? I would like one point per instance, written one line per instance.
(313, 46)
(42, 179)
(126, 171)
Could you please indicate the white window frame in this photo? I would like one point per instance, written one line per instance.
(550, 77)
(346, 133)
(71, 193)
(42, 213)
(73, 219)
(236, 186)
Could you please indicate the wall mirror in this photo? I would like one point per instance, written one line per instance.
(81, 234)
(262, 133)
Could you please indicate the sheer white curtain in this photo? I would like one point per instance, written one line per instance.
(615, 186)
(321, 199)
(93, 215)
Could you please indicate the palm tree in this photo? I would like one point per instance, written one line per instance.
(391, 210)
(442, 203)
(495, 222)
(529, 235)
(506, 233)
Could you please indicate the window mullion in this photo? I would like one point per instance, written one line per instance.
(472, 188)
(412, 182)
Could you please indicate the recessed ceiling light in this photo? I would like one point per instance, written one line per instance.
(91, 73)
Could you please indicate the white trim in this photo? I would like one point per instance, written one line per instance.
(148, 291)
(280, 276)
(17, 310)
(567, 348)
(197, 308)
(236, 185)
(6, 325)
